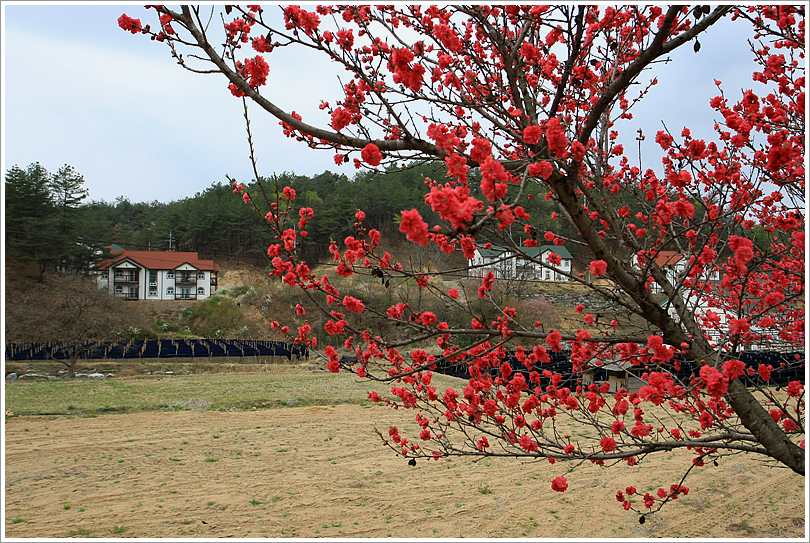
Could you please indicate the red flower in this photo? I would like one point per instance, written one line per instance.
(414, 227)
(560, 484)
(257, 70)
(598, 267)
(764, 372)
(260, 45)
(532, 134)
(482, 148)
(453, 204)
(794, 389)
(528, 445)
(353, 304)
(428, 318)
(491, 172)
(345, 39)
(333, 364)
(129, 24)
(743, 249)
(716, 384)
(453, 293)
(371, 155)
(608, 444)
(542, 169)
(733, 369)
(375, 237)
(578, 151)
(409, 76)
(663, 139)
(738, 326)
(341, 118)
(333, 328)
(555, 135)
(774, 298)
(490, 407)
(295, 16)
(553, 340)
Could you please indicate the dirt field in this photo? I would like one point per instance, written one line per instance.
(322, 472)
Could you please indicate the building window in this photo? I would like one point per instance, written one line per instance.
(200, 291)
(119, 289)
(200, 275)
(152, 292)
(153, 278)
(170, 291)
(104, 276)
(170, 274)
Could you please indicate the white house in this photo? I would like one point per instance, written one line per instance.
(672, 263)
(158, 275)
(699, 306)
(506, 264)
(557, 271)
(498, 260)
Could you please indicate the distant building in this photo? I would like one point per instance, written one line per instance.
(506, 264)
(157, 275)
(672, 263)
(564, 267)
(498, 260)
(618, 375)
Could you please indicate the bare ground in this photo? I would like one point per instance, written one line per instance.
(322, 472)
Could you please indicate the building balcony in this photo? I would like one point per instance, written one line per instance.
(127, 295)
(185, 296)
(185, 280)
(125, 278)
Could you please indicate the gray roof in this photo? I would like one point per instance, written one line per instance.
(495, 251)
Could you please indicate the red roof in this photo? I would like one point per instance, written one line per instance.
(667, 258)
(161, 260)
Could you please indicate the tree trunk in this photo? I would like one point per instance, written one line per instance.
(765, 429)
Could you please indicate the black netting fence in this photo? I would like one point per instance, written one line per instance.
(160, 348)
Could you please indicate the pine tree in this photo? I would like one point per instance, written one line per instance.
(67, 192)
(30, 215)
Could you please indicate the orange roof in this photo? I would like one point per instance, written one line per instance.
(667, 258)
(161, 260)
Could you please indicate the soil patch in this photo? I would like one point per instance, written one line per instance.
(322, 472)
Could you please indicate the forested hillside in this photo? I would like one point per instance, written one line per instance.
(49, 222)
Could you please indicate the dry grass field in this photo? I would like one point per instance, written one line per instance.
(294, 454)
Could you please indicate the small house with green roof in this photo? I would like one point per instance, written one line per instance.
(554, 272)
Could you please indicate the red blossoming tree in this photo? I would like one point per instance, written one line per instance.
(518, 100)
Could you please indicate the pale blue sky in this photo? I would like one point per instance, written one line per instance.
(79, 90)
